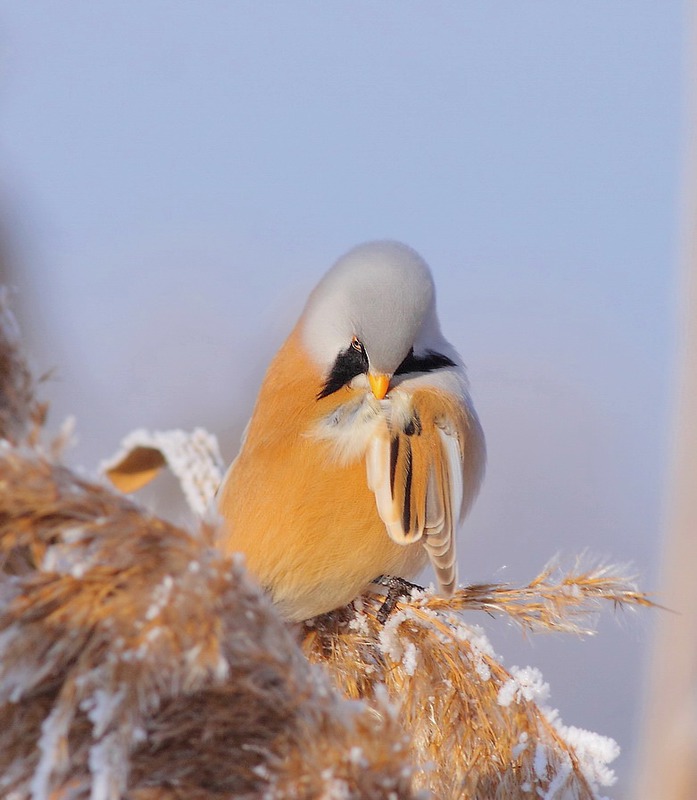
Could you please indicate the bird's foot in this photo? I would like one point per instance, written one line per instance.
(397, 589)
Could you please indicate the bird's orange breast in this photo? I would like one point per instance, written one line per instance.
(306, 522)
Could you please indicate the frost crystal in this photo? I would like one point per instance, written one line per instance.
(390, 641)
(480, 647)
(558, 782)
(101, 706)
(540, 763)
(356, 756)
(160, 597)
(409, 658)
(108, 760)
(525, 683)
(594, 753)
(54, 733)
(359, 623)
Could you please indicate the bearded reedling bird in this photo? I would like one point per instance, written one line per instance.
(364, 451)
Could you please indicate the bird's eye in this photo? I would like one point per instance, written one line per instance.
(356, 344)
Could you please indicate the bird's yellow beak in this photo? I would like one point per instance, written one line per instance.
(379, 383)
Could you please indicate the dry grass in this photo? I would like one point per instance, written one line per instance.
(480, 727)
(137, 662)
(557, 600)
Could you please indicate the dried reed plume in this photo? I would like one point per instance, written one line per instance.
(481, 727)
(137, 662)
(555, 601)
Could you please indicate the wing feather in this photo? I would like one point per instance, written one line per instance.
(425, 475)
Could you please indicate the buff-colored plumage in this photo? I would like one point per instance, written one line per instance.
(310, 545)
(330, 492)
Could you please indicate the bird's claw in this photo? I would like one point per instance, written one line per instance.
(397, 589)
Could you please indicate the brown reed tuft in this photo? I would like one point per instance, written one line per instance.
(138, 660)
(484, 731)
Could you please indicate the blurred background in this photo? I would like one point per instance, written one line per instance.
(176, 176)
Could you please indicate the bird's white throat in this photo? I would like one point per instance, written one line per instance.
(351, 426)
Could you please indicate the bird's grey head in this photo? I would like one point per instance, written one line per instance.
(378, 298)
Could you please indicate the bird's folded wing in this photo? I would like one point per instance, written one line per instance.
(425, 474)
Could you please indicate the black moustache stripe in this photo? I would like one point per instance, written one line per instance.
(428, 362)
(348, 364)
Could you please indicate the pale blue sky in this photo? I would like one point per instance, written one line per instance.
(176, 175)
